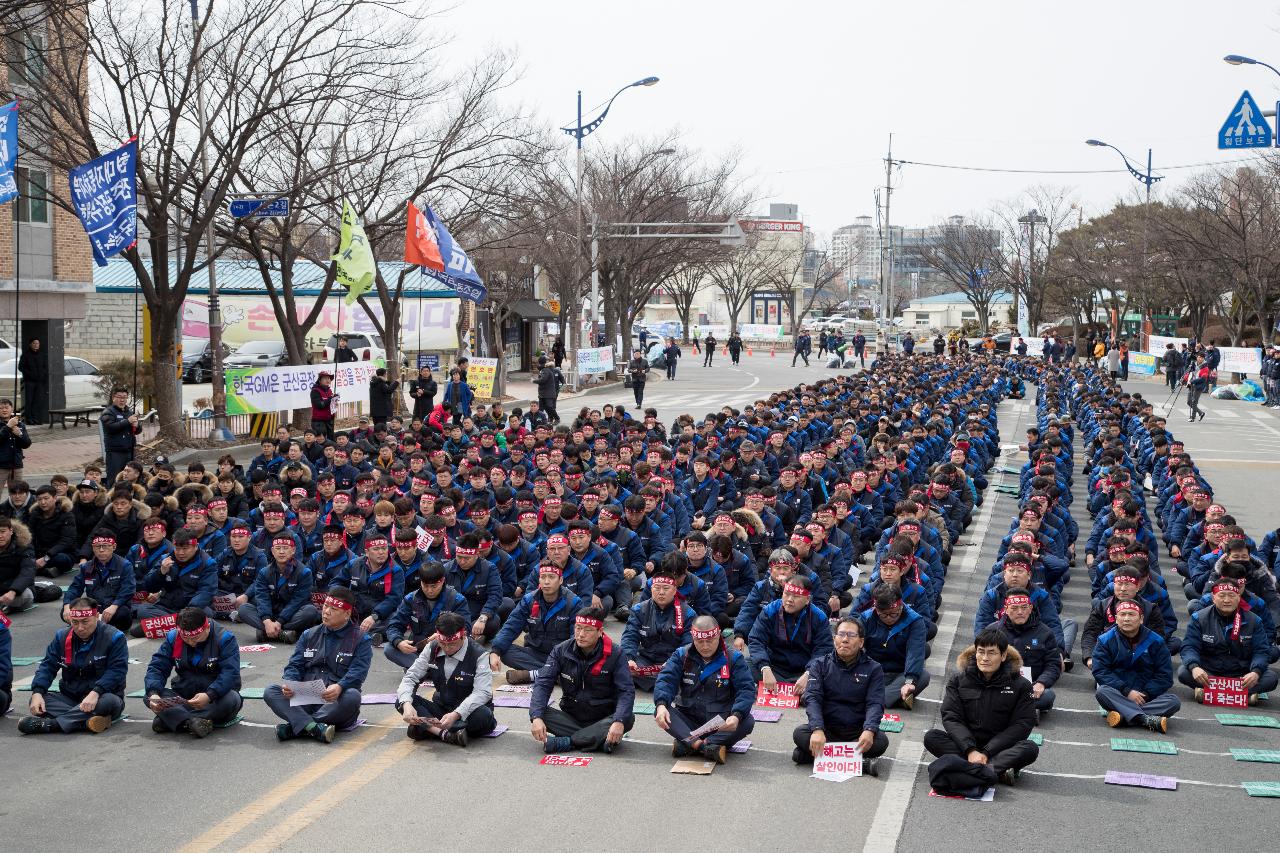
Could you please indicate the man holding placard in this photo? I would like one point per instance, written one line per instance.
(788, 635)
(843, 700)
(205, 664)
(1228, 641)
(655, 628)
(458, 668)
(335, 653)
(704, 695)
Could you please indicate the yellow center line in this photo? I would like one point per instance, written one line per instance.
(325, 804)
(264, 805)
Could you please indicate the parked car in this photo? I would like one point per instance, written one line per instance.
(367, 347)
(197, 359)
(1003, 340)
(258, 354)
(81, 382)
(654, 355)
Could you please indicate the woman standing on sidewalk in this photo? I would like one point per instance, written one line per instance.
(1197, 379)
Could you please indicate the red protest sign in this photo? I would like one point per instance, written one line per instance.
(141, 597)
(224, 603)
(1226, 692)
(784, 697)
(839, 761)
(565, 760)
(154, 627)
(891, 718)
(647, 670)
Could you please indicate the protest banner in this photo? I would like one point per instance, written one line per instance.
(838, 762)
(1226, 692)
(254, 390)
(155, 627)
(595, 360)
(481, 374)
(783, 697)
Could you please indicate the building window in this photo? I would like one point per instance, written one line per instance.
(968, 315)
(33, 195)
(30, 68)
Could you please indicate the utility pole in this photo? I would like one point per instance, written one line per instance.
(886, 283)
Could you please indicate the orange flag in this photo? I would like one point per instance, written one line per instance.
(420, 247)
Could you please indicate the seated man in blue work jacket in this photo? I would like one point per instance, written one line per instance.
(90, 659)
(788, 635)
(699, 682)
(896, 640)
(204, 661)
(1134, 672)
(843, 700)
(335, 652)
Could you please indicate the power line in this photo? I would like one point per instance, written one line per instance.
(1069, 171)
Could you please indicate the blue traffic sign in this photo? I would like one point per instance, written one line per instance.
(1245, 127)
(261, 208)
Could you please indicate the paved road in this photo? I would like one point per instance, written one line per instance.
(240, 789)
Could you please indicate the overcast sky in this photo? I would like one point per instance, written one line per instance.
(811, 91)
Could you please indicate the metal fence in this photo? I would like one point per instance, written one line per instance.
(261, 425)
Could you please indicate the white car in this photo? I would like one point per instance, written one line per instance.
(81, 383)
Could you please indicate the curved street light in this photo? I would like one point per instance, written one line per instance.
(1237, 59)
(579, 131)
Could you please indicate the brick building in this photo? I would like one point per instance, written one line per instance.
(46, 267)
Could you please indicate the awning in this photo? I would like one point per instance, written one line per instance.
(531, 309)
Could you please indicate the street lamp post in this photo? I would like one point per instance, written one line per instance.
(1022, 311)
(578, 131)
(1147, 179)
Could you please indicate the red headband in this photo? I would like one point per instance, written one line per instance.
(1017, 599)
(191, 635)
(330, 535)
(709, 634)
(529, 514)
(550, 569)
(465, 552)
(283, 540)
(1122, 606)
(796, 589)
(588, 622)
(82, 613)
(557, 539)
(1223, 583)
(155, 522)
(664, 580)
(455, 637)
(197, 510)
(330, 601)
(104, 540)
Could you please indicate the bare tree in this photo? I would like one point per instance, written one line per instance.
(683, 285)
(746, 271)
(798, 294)
(140, 58)
(1058, 207)
(968, 255)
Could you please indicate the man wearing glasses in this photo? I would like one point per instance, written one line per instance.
(843, 700)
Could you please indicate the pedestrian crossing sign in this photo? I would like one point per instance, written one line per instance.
(1245, 127)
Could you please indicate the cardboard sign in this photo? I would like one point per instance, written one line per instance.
(1226, 692)
(891, 723)
(424, 538)
(1141, 780)
(693, 767)
(1262, 789)
(839, 762)
(1259, 721)
(740, 747)
(224, 603)
(1270, 756)
(766, 715)
(518, 701)
(155, 627)
(162, 703)
(497, 731)
(784, 697)
(565, 760)
(1155, 747)
(515, 688)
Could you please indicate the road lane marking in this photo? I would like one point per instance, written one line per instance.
(891, 811)
(339, 791)
(263, 806)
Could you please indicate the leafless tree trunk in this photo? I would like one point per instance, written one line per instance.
(968, 254)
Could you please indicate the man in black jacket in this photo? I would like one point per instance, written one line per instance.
(53, 532)
(987, 713)
(13, 440)
(844, 700)
(548, 383)
(17, 567)
(120, 429)
(381, 394)
(596, 708)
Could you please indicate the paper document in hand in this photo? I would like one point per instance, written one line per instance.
(305, 692)
(711, 725)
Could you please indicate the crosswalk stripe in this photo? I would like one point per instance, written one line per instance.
(1226, 413)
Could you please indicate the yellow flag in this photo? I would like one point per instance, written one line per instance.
(356, 267)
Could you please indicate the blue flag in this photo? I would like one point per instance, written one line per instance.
(459, 273)
(105, 196)
(8, 151)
